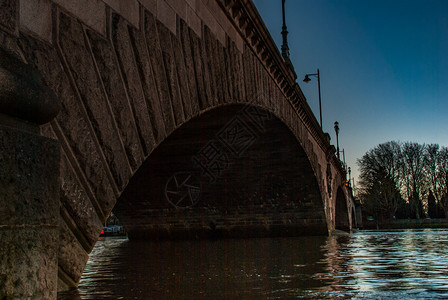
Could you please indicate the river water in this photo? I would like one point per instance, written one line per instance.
(367, 264)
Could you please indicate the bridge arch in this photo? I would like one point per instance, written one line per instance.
(131, 80)
(234, 170)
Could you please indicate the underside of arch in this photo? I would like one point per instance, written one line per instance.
(233, 171)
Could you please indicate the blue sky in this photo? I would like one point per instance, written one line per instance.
(383, 67)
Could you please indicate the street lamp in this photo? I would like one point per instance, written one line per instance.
(336, 128)
(308, 79)
(285, 48)
(349, 176)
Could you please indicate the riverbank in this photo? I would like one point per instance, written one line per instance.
(407, 224)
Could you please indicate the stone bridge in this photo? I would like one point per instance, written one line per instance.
(181, 116)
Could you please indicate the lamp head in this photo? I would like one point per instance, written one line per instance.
(307, 78)
(336, 127)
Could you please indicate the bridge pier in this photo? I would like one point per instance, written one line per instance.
(29, 185)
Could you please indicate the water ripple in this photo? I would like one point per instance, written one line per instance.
(400, 264)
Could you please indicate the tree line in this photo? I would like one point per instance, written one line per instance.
(404, 180)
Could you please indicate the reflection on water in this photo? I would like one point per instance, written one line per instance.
(367, 264)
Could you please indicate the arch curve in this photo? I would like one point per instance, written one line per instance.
(235, 170)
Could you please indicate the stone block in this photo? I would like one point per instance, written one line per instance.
(192, 3)
(180, 7)
(150, 5)
(171, 73)
(218, 13)
(91, 12)
(35, 17)
(28, 262)
(29, 186)
(78, 205)
(193, 21)
(236, 38)
(210, 20)
(189, 65)
(181, 72)
(166, 15)
(29, 214)
(158, 67)
(72, 257)
(128, 9)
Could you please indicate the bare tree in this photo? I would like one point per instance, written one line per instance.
(413, 175)
(442, 179)
(380, 174)
(432, 168)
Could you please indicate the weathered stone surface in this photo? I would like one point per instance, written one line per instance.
(209, 65)
(149, 87)
(73, 123)
(28, 262)
(248, 72)
(239, 70)
(166, 15)
(150, 5)
(234, 72)
(28, 183)
(119, 103)
(129, 9)
(224, 74)
(171, 73)
(180, 7)
(90, 12)
(29, 193)
(78, 205)
(155, 53)
(218, 70)
(8, 13)
(72, 258)
(193, 21)
(199, 69)
(206, 72)
(230, 76)
(189, 67)
(71, 41)
(35, 16)
(182, 77)
(130, 63)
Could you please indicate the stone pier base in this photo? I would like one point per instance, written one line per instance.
(29, 213)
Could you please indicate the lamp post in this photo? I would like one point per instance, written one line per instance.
(308, 79)
(349, 176)
(285, 48)
(336, 129)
